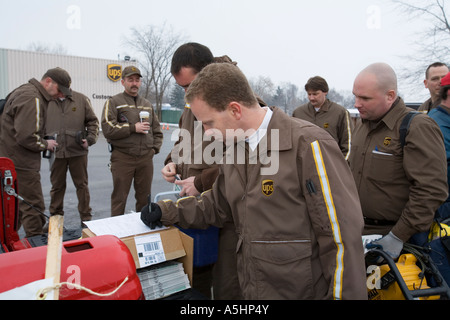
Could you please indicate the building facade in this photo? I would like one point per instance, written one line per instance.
(98, 79)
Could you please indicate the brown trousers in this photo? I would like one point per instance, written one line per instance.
(125, 168)
(77, 167)
(30, 189)
(224, 275)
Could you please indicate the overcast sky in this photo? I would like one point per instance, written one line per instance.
(286, 40)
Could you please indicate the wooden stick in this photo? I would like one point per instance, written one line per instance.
(54, 251)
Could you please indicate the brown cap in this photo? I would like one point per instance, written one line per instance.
(129, 71)
(62, 78)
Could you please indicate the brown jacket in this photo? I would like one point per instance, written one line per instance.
(187, 164)
(428, 105)
(299, 229)
(120, 114)
(22, 126)
(400, 187)
(67, 118)
(332, 117)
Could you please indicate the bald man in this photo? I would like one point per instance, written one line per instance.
(400, 188)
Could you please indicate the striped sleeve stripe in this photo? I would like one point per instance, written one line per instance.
(349, 130)
(106, 113)
(38, 114)
(328, 197)
(189, 197)
(38, 124)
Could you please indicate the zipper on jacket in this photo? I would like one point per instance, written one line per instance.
(281, 241)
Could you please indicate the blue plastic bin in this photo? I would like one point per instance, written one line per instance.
(206, 243)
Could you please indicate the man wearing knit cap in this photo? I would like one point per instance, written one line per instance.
(22, 140)
(441, 115)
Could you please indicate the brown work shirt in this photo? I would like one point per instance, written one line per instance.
(23, 126)
(119, 118)
(188, 155)
(68, 118)
(400, 188)
(429, 105)
(333, 118)
(299, 227)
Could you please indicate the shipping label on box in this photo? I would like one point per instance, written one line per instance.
(149, 249)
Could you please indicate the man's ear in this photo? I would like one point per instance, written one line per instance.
(46, 82)
(235, 110)
(391, 96)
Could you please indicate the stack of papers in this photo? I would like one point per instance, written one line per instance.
(120, 226)
(162, 280)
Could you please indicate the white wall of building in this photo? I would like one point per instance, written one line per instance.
(89, 75)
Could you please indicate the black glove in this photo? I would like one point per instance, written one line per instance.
(79, 136)
(151, 215)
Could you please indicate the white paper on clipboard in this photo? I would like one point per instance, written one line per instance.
(121, 226)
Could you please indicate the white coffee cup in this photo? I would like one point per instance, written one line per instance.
(145, 116)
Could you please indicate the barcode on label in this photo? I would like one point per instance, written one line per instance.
(150, 259)
(152, 246)
(150, 249)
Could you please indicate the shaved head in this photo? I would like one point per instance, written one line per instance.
(385, 76)
(375, 90)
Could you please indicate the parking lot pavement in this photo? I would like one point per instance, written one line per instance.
(100, 183)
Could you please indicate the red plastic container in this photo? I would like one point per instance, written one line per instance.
(9, 206)
(100, 264)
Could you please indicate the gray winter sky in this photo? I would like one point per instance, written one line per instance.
(286, 40)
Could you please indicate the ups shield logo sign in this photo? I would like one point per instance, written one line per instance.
(267, 187)
(114, 72)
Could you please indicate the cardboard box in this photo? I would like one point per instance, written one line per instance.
(155, 247)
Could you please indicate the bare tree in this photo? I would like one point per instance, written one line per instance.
(432, 42)
(263, 88)
(293, 97)
(47, 48)
(288, 96)
(154, 47)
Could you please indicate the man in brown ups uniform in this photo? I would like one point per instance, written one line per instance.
(134, 141)
(433, 75)
(328, 115)
(197, 176)
(400, 186)
(285, 187)
(22, 140)
(73, 123)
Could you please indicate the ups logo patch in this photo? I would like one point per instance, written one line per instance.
(114, 72)
(387, 141)
(267, 187)
(326, 125)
